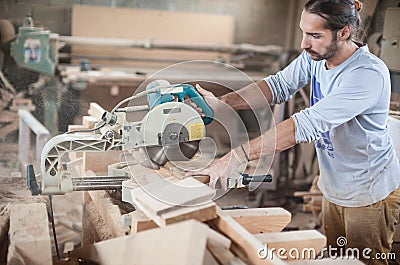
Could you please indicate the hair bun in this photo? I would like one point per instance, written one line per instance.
(357, 5)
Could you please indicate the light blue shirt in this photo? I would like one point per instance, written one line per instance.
(347, 121)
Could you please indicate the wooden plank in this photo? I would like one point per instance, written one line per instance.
(305, 243)
(74, 127)
(200, 213)
(98, 161)
(244, 244)
(89, 121)
(261, 220)
(29, 235)
(223, 255)
(182, 243)
(174, 214)
(162, 196)
(95, 110)
(140, 222)
(160, 25)
(12, 191)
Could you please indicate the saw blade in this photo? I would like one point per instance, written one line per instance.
(179, 152)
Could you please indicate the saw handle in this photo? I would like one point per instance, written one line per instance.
(260, 178)
(198, 99)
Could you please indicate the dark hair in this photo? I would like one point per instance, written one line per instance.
(338, 14)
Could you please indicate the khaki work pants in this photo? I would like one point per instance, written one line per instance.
(369, 229)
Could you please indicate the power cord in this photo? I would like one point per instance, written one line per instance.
(53, 226)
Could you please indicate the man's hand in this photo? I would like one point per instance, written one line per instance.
(220, 169)
(211, 100)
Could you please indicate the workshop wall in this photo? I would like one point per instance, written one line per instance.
(259, 22)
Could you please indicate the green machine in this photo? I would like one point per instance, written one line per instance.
(35, 49)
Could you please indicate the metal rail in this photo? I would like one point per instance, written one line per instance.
(175, 45)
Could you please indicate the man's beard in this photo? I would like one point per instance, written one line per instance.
(330, 51)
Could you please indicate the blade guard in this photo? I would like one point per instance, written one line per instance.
(155, 99)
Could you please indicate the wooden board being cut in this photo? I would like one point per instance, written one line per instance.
(169, 201)
(166, 194)
(142, 24)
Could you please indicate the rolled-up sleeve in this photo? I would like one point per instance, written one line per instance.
(287, 82)
(357, 93)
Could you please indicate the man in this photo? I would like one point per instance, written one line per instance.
(350, 95)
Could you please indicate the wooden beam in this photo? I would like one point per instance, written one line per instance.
(29, 235)
(200, 213)
(140, 222)
(183, 243)
(89, 121)
(244, 244)
(223, 255)
(306, 244)
(261, 220)
(162, 196)
(168, 201)
(96, 110)
(98, 162)
(73, 127)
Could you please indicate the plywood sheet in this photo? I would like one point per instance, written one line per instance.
(142, 24)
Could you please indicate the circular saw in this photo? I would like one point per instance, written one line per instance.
(172, 129)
